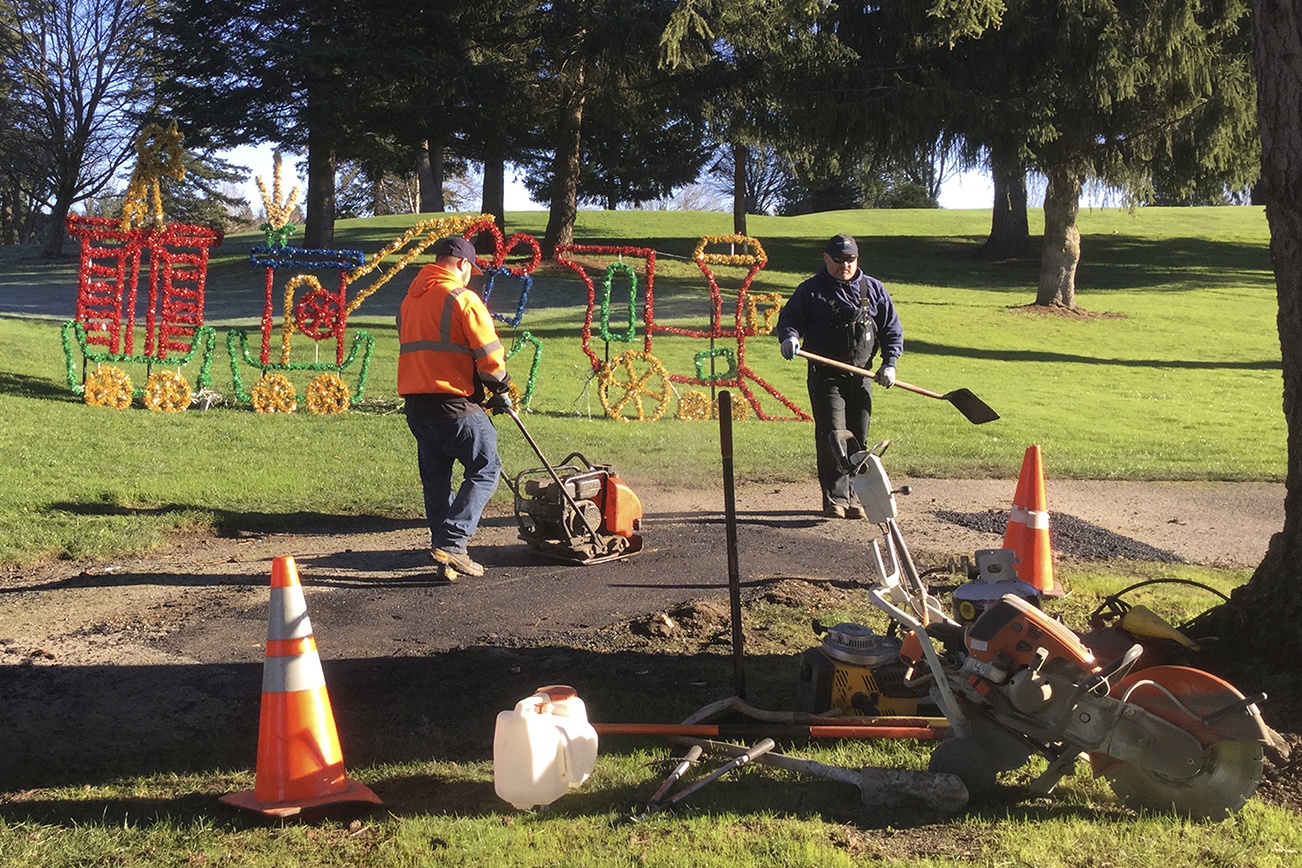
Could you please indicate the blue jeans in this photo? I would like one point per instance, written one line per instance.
(470, 441)
(841, 402)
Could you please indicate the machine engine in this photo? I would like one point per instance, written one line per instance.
(1024, 662)
(856, 672)
(596, 517)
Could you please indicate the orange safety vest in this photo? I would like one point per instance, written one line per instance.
(445, 334)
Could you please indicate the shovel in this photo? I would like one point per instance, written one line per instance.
(976, 410)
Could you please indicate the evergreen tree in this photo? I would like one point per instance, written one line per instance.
(1136, 94)
(644, 140)
(588, 51)
(761, 64)
(303, 74)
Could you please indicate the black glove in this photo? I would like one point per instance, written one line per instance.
(499, 402)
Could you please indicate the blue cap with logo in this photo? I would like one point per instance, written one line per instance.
(841, 246)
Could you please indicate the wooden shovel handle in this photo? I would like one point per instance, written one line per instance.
(864, 372)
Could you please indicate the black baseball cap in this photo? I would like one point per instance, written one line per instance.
(459, 247)
(840, 246)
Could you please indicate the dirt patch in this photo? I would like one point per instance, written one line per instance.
(1061, 310)
(155, 661)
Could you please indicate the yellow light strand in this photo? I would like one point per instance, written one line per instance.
(278, 212)
(432, 230)
(757, 256)
(158, 155)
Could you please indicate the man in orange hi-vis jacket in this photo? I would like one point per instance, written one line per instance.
(449, 355)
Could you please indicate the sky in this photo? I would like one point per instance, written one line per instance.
(967, 190)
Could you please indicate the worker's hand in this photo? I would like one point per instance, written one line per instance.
(789, 348)
(885, 376)
(499, 402)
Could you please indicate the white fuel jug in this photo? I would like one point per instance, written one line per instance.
(543, 747)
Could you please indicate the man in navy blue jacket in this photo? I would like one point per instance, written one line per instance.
(843, 314)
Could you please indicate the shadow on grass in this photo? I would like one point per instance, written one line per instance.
(1108, 262)
(929, 348)
(90, 726)
(239, 522)
(23, 386)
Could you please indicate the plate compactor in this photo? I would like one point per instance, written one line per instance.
(577, 511)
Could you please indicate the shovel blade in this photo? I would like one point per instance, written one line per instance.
(976, 410)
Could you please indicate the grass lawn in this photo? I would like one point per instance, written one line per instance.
(1174, 375)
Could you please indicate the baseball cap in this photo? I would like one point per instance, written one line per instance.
(459, 247)
(841, 245)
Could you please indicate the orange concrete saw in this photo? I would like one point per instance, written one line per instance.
(1016, 683)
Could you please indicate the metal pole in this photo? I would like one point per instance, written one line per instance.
(730, 523)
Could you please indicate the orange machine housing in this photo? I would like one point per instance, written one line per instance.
(1015, 628)
(622, 511)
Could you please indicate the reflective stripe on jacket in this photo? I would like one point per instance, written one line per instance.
(445, 335)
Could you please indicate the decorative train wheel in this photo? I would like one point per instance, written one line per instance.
(630, 384)
(319, 314)
(694, 406)
(740, 410)
(108, 387)
(328, 395)
(168, 392)
(274, 393)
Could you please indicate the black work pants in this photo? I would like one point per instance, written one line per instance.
(841, 402)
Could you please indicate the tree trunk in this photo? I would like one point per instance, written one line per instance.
(1273, 596)
(431, 194)
(432, 175)
(58, 225)
(379, 205)
(739, 157)
(1010, 234)
(319, 226)
(1061, 250)
(8, 227)
(494, 192)
(565, 172)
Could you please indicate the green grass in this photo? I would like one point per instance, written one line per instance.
(1178, 377)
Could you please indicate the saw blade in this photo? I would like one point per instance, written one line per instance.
(1229, 776)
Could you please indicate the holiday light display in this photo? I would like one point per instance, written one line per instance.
(633, 385)
(167, 392)
(158, 155)
(633, 375)
(310, 309)
(105, 329)
(174, 258)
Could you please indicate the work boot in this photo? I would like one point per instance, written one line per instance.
(834, 510)
(459, 561)
(854, 510)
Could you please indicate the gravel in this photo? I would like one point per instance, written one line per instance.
(1068, 535)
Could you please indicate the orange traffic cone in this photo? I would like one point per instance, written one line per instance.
(300, 764)
(1028, 527)
(1016, 532)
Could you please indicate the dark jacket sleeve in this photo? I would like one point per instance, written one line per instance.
(791, 320)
